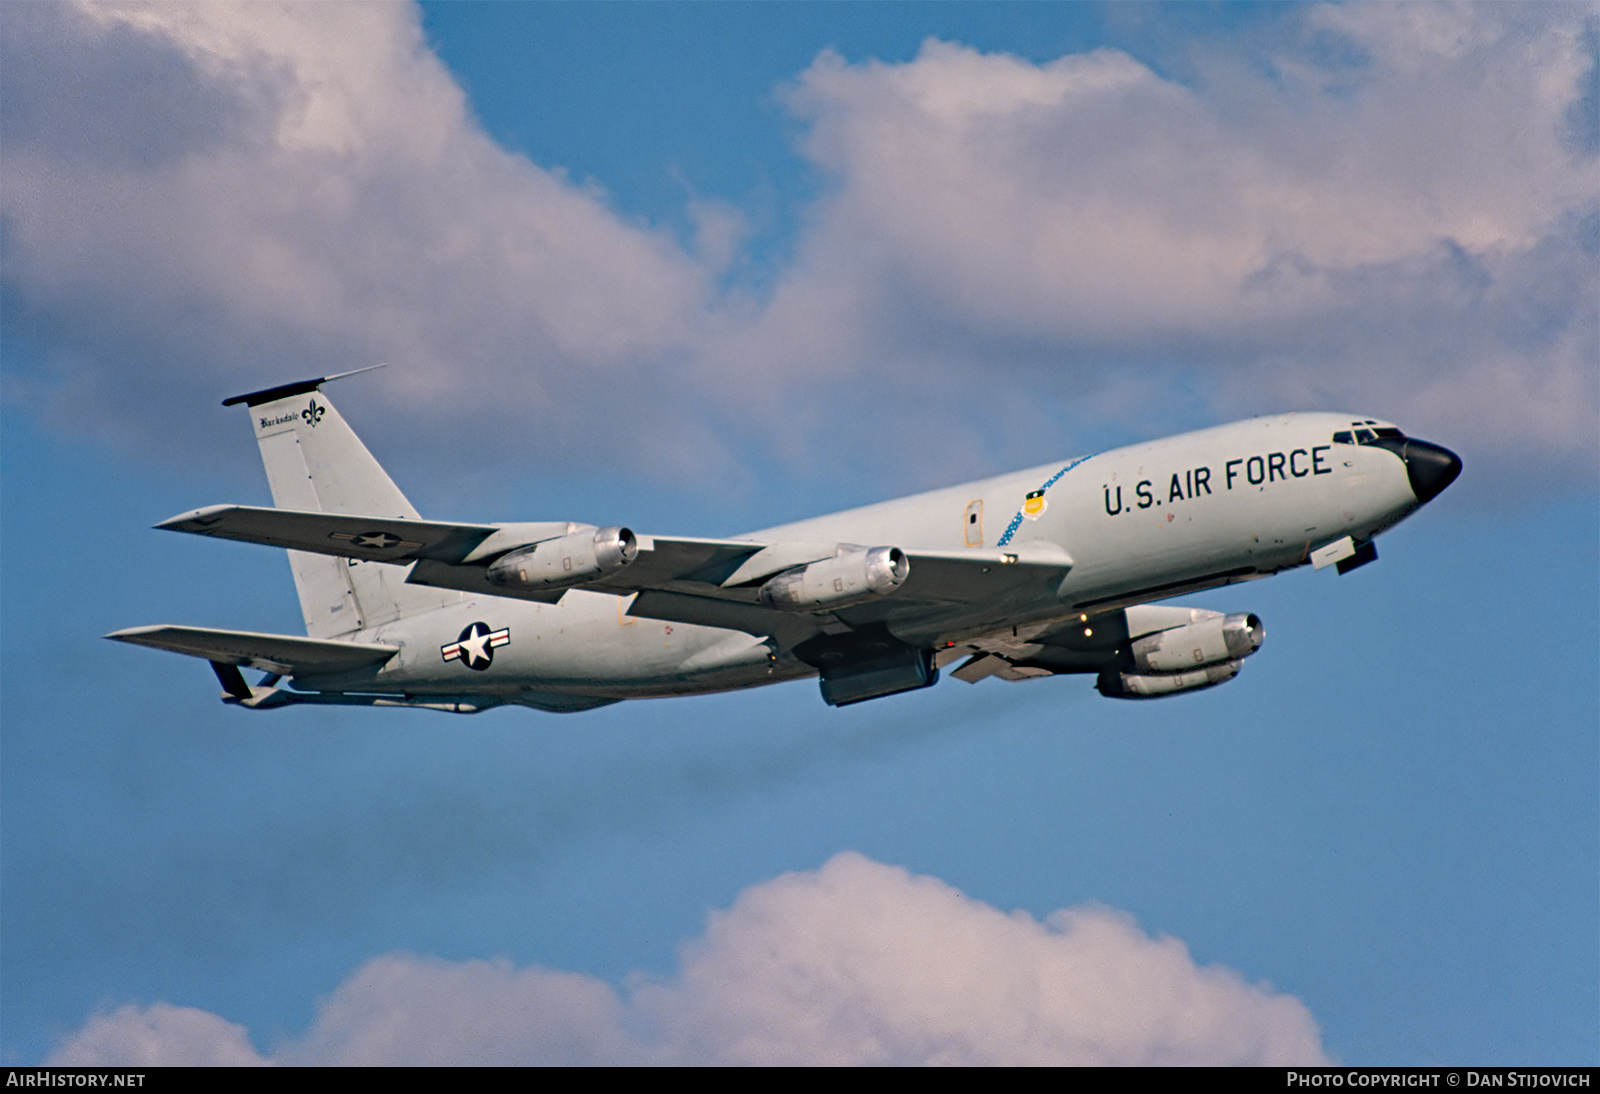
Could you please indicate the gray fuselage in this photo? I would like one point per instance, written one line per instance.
(1140, 523)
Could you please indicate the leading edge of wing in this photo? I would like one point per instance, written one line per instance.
(281, 653)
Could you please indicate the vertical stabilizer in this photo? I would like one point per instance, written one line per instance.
(316, 463)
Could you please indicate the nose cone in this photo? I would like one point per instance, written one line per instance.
(1430, 467)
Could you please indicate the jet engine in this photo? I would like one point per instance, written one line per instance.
(1199, 654)
(574, 559)
(854, 575)
(1125, 685)
(1209, 641)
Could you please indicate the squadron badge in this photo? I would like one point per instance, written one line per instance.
(1034, 505)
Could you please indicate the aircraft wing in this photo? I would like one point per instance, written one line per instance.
(730, 569)
(380, 539)
(722, 591)
(713, 582)
(660, 563)
(400, 540)
(280, 653)
(965, 577)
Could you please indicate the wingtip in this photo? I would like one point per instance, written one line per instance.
(186, 522)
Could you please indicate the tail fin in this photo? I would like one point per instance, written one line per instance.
(316, 463)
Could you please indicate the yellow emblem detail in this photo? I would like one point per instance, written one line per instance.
(1033, 505)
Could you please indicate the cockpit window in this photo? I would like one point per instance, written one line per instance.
(1367, 432)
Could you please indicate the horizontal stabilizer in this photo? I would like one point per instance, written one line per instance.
(280, 653)
(284, 391)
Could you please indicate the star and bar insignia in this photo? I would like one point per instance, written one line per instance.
(373, 541)
(475, 648)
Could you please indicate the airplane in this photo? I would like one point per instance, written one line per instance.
(1053, 570)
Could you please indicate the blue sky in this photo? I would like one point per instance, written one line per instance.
(703, 268)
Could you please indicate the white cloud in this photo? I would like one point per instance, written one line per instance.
(1381, 207)
(298, 189)
(160, 1035)
(1413, 233)
(855, 963)
(405, 1010)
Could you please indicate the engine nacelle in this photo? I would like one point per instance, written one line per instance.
(849, 578)
(1124, 685)
(1211, 641)
(574, 559)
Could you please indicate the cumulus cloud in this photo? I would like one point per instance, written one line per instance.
(239, 193)
(855, 963)
(1409, 228)
(160, 1035)
(1390, 208)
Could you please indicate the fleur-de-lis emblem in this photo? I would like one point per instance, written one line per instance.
(313, 413)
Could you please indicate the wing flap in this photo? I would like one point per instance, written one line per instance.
(966, 577)
(787, 629)
(474, 579)
(666, 559)
(281, 653)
